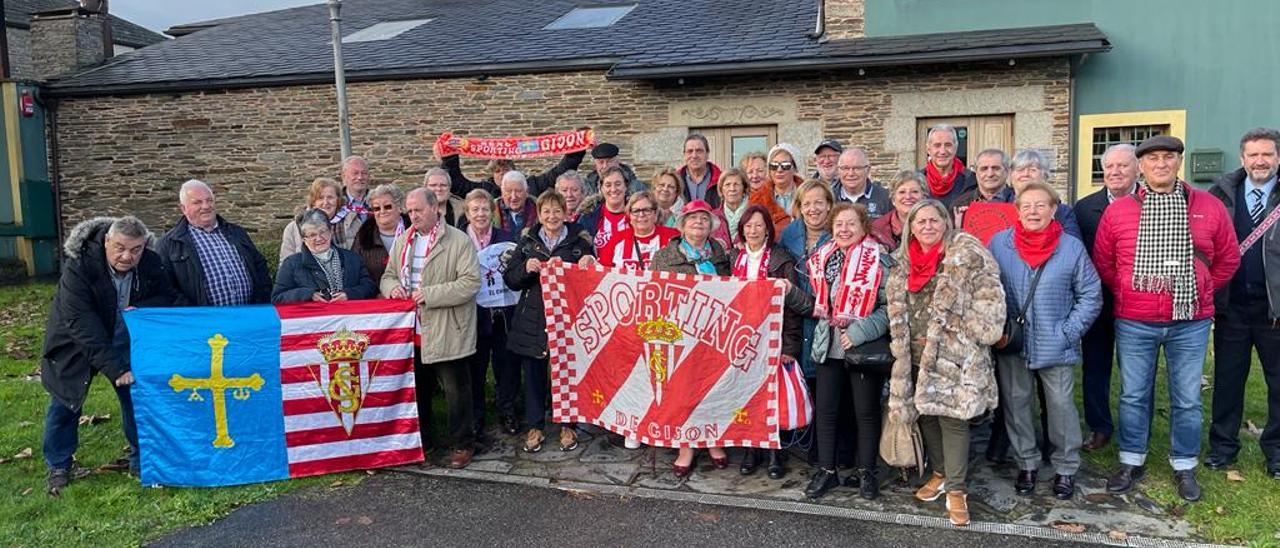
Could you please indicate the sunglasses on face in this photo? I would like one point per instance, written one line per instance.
(781, 166)
(644, 210)
(388, 207)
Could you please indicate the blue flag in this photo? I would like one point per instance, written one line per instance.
(207, 395)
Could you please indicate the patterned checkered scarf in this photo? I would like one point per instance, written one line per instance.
(1164, 258)
(331, 264)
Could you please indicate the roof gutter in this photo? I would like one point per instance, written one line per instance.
(859, 61)
(456, 71)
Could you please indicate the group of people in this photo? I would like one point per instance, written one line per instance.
(892, 311)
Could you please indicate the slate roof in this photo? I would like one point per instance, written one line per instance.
(659, 38)
(18, 13)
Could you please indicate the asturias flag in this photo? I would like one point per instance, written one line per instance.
(232, 395)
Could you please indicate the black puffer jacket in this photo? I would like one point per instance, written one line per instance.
(537, 183)
(178, 252)
(527, 335)
(79, 339)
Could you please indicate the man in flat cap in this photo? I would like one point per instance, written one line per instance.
(1163, 252)
(605, 156)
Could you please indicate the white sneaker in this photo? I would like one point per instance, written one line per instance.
(631, 443)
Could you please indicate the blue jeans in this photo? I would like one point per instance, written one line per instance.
(1137, 347)
(62, 435)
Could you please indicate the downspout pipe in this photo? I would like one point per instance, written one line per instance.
(820, 26)
(55, 170)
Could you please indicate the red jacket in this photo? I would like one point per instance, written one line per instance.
(1212, 236)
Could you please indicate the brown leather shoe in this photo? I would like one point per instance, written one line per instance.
(461, 458)
(1096, 441)
(932, 489)
(958, 508)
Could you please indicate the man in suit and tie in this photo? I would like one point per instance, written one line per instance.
(1248, 309)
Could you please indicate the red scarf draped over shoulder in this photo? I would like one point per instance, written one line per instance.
(1036, 247)
(939, 184)
(924, 264)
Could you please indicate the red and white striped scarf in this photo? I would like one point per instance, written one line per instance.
(406, 254)
(860, 277)
(743, 263)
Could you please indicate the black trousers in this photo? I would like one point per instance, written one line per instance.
(1098, 349)
(506, 372)
(454, 376)
(1240, 329)
(833, 377)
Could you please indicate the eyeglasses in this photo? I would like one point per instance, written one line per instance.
(643, 210)
(388, 207)
(854, 168)
(1035, 206)
(315, 235)
(781, 166)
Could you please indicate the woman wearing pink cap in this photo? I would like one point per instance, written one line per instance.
(694, 251)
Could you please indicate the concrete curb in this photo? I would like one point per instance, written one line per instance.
(1028, 531)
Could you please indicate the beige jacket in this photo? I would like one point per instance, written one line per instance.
(450, 281)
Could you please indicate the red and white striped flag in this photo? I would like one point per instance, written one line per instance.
(674, 360)
(346, 373)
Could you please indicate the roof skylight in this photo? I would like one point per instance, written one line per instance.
(590, 17)
(385, 30)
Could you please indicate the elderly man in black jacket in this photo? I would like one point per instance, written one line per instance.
(108, 270)
(1119, 179)
(212, 262)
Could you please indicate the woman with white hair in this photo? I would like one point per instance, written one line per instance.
(1030, 165)
(778, 194)
(387, 220)
(321, 272)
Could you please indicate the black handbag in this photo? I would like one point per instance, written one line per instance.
(1013, 326)
(872, 356)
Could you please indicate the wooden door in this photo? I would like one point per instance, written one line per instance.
(976, 133)
(730, 144)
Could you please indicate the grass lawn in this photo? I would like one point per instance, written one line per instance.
(1234, 512)
(106, 508)
(110, 509)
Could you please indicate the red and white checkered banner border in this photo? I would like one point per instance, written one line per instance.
(672, 360)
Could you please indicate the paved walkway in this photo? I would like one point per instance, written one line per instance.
(599, 465)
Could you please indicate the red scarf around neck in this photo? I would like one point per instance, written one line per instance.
(1036, 247)
(924, 264)
(939, 184)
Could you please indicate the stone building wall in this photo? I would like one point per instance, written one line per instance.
(62, 44)
(260, 147)
(20, 54)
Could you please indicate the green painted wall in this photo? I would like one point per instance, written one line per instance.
(1219, 61)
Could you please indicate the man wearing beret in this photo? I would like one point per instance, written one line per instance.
(1163, 252)
(606, 156)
